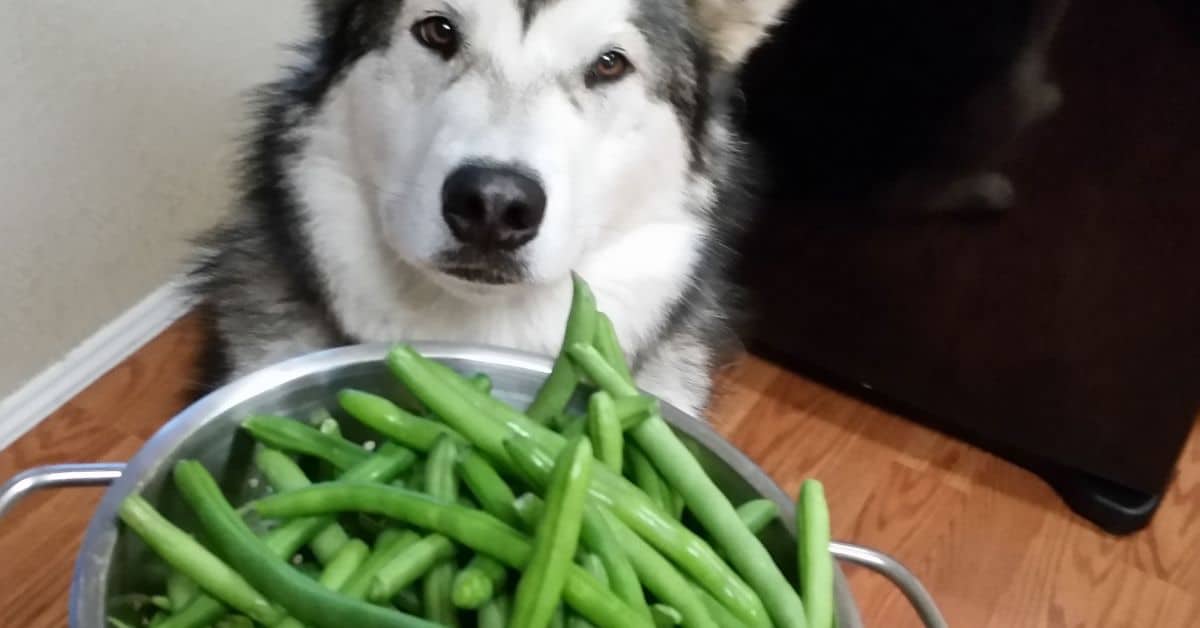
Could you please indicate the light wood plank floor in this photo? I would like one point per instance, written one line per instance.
(990, 541)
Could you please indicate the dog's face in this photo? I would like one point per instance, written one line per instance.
(499, 141)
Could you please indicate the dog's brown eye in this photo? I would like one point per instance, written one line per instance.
(437, 33)
(608, 67)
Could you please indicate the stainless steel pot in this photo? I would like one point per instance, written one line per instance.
(112, 563)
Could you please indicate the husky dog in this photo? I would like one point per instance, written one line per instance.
(437, 169)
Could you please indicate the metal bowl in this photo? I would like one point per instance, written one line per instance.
(113, 563)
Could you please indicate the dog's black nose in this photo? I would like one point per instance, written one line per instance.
(493, 207)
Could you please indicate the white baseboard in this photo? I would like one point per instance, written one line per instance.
(30, 404)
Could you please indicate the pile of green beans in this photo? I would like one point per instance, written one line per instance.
(583, 510)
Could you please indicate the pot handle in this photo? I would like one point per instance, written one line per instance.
(898, 574)
(55, 476)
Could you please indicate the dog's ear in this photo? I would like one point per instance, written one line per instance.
(736, 27)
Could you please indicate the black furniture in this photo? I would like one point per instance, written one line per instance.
(1064, 333)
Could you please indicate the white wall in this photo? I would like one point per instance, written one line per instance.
(117, 128)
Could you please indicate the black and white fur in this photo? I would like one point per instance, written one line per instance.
(340, 237)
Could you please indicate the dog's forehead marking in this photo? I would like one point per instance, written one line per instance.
(561, 37)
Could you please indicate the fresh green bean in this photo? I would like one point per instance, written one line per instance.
(597, 534)
(599, 537)
(717, 611)
(478, 582)
(297, 437)
(494, 614)
(391, 543)
(539, 590)
(487, 486)
(408, 601)
(283, 474)
(593, 565)
(391, 460)
(719, 518)
(181, 590)
(182, 552)
(606, 378)
(758, 514)
(481, 382)
(441, 482)
(646, 477)
(665, 616)
(392, 421)
(609, 346)
(344, 564)
(330, 427)
(557, 389)
(710, 506)
(815, 561)
(575, 427)
(631, 411)
(487, 423)
(302, 597)
(472, 528)
(605, 430)
(558, 618)
(661, 577)
(409, 566)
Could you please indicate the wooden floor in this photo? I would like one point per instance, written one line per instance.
(990, 541)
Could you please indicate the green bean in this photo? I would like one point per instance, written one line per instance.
(390, 544)
(815, 561)
(539, 590)
(710, 506)
(297, 437)
(181, 590)
(719, 518)
(409, 566)
(494, 614)
(487, 486)
(408, 601)
(717, 611)
(558, 617)
(593, 565)
(606, 378)
(478, 582)
(441, 482)
(757, 514)
(558, 388)
(605, 430)
(631, 411)
(481, 382)
(182, 552)
(646, 477)
(665, 616)
(622, 576)
(387, 463)
(392, 421)
(661, 577)
(576, 427)
(344, 564)
(283, 474)
(487, 423)
(596, 533)
(609, 346)
(330, 427)
(303, 598)
(472, 528)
